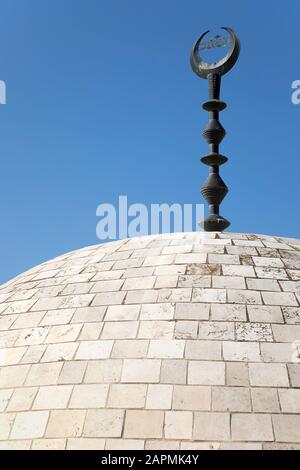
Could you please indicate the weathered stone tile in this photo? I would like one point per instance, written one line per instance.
(46, 303)
(174, 295)
(294, 373)
(120, 330)
(22, 399)
(212, 426)
(27, 320)
(265, 400)
(77, 288)
(209, 295)
(90, 331)
(276, 352)
(156, 329)
(60, 352)
(279, 298)
(169, 270)
(265, 314)
(163, 282)
(29, 425)
(263, 284)
(231, 399)
(287, 428)
(72, 372)
(11, 356)
(144, 424)
(13, 376)
(237, 374)
(108, 286)
(122, 312)
(162, 445)
(109, 275)
(124, 444)
(141, 296)
(203, 350)
(88, 314)
(237, 296)
(192, 311)
(85, 444)
(166, 349)
(158, 260)
(58, 317)
(289, 400)
(251, 427)
(194, 280)
(159, 397)
(204, 269)
(178, 425)
(238, 270)
(48, 444)
(191, 258)
(89, 396)
(253, 332)
(268, 262)
(108, 298)
(44, 374)
(6, 321)
(291, 315)
(160, 311)
(286, 333)
(241, 351)
(63, 333)
(4, 398)
(94, 349)
(228, 282)
(186, 330)
(268, 375)
(65, 423)
(216, 330)
(228, 312)
(33, 354)
(271, 273)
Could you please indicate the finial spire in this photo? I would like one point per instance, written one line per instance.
(214, 189)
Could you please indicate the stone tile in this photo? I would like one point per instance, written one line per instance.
(263, 284)
(287, 428)
(268, 375)
(65, 423)
(236, 296)
(216, 330)
(286, 333)
(122, 312)
(58, 317)
(55, 397)
(276, 352)
(265, 400)
(158, 260)
(106, 371)
(166, 349)
(209, 295)
(289, 400)
(141, 370)
(253, 332)
(267, 314)
(124, 444)
(194, 280)
(279, 298)
(6, 321)
(91, 331)
(108, 298)
(203, 350)
(22, 399)
(85, 444)
(175, 295)
(141, 296)
(251, 427)
(33, 354)
(29, 425)
(135, 283)
(280, 446)
(294, 374)
(13, 376)
(60, 352)
(130, 349)
(32, 336)
(77, 288)
(228, 282)
(63, 333)
(228, 312)
(46, 303)
(21, 306)
(231, 399)
(6, 423)
(156, 329)
(27, 320)
(212, 426)
(44, 374)
(108, 286)
(291, 315)
(190, 258)
(173, 371)
(271, 273)
(159, 397)
(137, 272)
(191, 397)
(178, 425)
(206, 373)
(192, 311)
(94, 349)
(144, 424)
(224, 259)
(48, 444)
(109, 275)
(89, 396)
(204, 269)
(186, 330)
(160, 311)
(166, 282)
(11, 356)
(15, 445)
(237, 374)
(88, 314)
(241, 351)
(246, 446)
(127, 396)
(268, 262)
(4, 398)
(8, 338)
(72, 372)
(162, 445)
(120, 330)
(294, 274)
(238, 270)
(169, 270)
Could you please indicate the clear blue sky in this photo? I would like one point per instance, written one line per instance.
(101, 101)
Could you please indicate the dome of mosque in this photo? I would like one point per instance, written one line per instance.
(173, 341)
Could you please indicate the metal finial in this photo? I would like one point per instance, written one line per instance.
(214, 189)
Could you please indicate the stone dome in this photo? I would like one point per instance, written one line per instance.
(174, 341)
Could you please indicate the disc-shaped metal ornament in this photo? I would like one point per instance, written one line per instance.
(202, 67)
